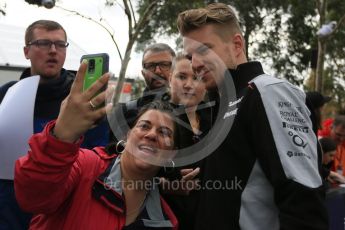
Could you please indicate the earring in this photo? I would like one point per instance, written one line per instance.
(172, 166)
(120, 146)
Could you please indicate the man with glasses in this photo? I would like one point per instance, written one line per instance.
(45, 46)
(157, 61)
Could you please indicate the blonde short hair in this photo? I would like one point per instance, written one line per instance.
(219, 14)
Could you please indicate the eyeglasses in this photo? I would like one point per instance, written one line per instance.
(151, 66)
(340, 135)
(47, 44)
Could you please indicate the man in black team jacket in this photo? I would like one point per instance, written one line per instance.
(266, 169)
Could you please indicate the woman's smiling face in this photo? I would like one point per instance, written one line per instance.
(152, 138)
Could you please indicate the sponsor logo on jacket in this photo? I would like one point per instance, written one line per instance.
(297, 154)
(232, 112)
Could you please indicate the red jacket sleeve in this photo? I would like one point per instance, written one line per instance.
(46, 176)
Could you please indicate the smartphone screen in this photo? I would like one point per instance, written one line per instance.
(98, 64)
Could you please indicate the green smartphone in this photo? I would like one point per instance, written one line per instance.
(98, 64)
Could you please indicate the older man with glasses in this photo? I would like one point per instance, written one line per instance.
(157, 61)
(156, 68)
(45, 46)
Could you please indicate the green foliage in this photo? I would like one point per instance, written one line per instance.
(163, 22)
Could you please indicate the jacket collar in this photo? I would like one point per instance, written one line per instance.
(108, 190)
(244, 73)
(55, 88)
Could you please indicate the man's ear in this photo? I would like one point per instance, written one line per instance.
(239, 43)
(26, 52)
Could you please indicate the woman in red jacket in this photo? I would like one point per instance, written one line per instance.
(67, 187)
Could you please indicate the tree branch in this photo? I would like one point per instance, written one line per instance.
(133, 13)
(145, 18)
(137, 28)
(2, 9)
(340, 22)
(129, 17)
(318, 6)
(98, 23)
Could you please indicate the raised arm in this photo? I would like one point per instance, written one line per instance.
(47, 175)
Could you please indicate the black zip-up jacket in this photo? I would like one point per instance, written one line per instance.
(264, 174)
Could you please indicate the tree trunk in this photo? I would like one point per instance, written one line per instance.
(122, 75)
(133, 33)
(320, 64)
(321, 48)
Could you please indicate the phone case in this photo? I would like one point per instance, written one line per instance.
(98, 64)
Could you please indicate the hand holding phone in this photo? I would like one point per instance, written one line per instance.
(77, 115)
(98, 64)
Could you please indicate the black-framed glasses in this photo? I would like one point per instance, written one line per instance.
(340, 135)
(47, 44)
(151, 66)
